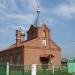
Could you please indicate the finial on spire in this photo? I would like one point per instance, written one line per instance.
(38, 7)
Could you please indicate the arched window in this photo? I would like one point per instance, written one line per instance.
(44, 38)
(44, 34)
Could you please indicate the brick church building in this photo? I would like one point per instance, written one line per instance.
(38, 48)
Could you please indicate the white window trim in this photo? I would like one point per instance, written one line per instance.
(44, 42)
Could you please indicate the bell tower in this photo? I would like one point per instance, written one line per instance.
(37, 28)
(20, 36)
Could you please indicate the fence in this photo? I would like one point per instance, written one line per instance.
(14, 69)
(3, 69)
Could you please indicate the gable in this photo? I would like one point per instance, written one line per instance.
(44, 26)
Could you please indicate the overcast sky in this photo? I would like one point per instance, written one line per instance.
(59, 15)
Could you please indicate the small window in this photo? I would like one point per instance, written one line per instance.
(44, 42)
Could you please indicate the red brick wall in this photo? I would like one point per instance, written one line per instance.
(32, 55)
(13, 53)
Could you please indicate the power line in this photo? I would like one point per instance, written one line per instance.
(65, 41)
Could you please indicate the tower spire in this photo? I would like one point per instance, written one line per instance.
(37, 19)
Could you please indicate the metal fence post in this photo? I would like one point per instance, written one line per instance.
(7, 69)
(60, 68)
(53, 68)
(33, 69)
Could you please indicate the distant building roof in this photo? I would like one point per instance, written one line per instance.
(64, 60)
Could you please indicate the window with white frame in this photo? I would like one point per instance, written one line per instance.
(44, 42)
